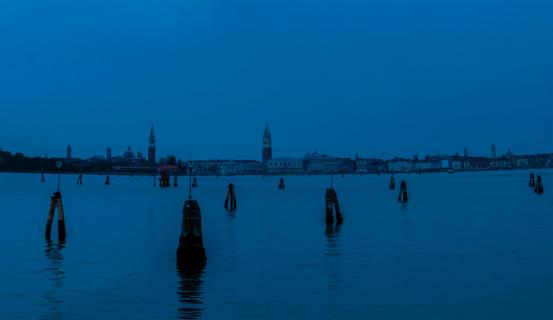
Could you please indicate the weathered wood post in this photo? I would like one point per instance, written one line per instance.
(50, 217)
(195, 183)
(532, 182)
(539, 187)
(403, 197)
(191, 241)
(281, 184)
(175, 183)
(107, 183)
(55, 202)
(164, 179)
(392, 183)
(191, 247)
(331, 205)
(231, 198)
(42, 179)
(61, 217)
(80, 179)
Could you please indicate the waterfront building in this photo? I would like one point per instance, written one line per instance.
(399, 165)
(284, 166)
(427, 165)
(457, 165)
(369, 165)
(522, 163)
(316, 163)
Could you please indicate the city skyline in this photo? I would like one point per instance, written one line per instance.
(266, 146)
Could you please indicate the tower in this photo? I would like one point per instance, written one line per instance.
(494, 153)
(466, 153)
(108, 154)
(267, 153)
(152, 148)
(68, 153)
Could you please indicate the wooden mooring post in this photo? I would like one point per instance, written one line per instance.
(191, 246)
(539, 186)
(532, 182)
(56, 202)
(331, 205)
(403, 197)
(281, 184)
(230, 200)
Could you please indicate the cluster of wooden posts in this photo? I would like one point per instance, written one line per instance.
(536, 184)
(191, 248)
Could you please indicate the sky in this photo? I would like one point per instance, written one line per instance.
(378, 78)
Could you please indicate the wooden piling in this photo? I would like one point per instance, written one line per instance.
(281, 184)
(107, 183)
(80, 179)
(403, 197)
(191, 246)
(194, 183)
(532, 182)
(50, 217)
(56, 202)
(230, 200)
(164, 180)
(61, 218)
(175, 183)
(42, 179)
(392, 183)
(539, 186)
(331, 206)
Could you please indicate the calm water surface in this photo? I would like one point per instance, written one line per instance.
(466, 246)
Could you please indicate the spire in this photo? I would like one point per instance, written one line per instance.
(267, 132)
(152, 136)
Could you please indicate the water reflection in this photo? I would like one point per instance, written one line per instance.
(334, 277)
(53, 252)
(190, 289)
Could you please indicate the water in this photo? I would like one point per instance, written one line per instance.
(466, 246)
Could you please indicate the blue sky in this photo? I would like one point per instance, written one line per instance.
(374, 77)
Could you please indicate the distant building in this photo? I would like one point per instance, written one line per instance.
(316, 163)
(522, 163)
(427, 165)
(283, 166)
(108, 154)
(68, 153)
(267, 152)
(152, 148)
(494, 151)
(369, 165)
(399, 165)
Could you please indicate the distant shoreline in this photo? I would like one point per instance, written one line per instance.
(149, 174)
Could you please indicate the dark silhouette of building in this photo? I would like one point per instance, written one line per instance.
(152, 148)
(68, 153)
(267, 153)
(108, 154)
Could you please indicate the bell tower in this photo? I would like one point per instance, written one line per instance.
(267, 152)
(152, 148)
